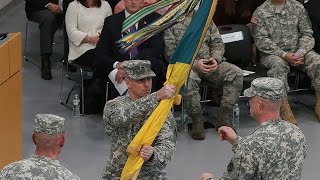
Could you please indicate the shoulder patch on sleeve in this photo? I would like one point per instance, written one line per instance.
(111, 105)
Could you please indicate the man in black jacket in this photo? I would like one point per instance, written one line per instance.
(47, 14)
(109, 57)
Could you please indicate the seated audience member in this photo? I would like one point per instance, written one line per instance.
(84, 22)
(283, 35)
(125, 115)
(49, 138)
(47, 14)
(312, 6)
(276, 149)
(109, 57)
(209, 65)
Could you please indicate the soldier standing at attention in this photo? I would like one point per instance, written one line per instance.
(125, 115)
(209, 65)
(276, 149)
(283, 35)
(49, 138)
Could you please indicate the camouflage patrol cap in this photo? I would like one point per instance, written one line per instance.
(138, 69)
(267, 88)
(49, 124)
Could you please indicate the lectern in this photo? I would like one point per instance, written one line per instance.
(10, 99)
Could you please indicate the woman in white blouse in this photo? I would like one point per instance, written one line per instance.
(84, 22)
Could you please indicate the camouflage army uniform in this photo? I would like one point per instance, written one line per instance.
(37, 167)
(124, 118)
(227, 75)
(275, 150)
(277, 33)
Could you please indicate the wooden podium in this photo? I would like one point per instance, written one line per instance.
(10, 99)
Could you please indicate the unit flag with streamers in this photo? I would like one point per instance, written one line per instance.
(179, 66)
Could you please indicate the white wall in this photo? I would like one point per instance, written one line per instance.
(3, 3)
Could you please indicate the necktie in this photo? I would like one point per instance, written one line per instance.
(134, 51)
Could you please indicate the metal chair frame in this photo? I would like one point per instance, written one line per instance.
(296, 89)
(83, 71)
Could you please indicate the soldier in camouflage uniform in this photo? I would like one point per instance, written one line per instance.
(283, 34)
(276, 149)
(209, 65)
(125, 115)
(49, 138)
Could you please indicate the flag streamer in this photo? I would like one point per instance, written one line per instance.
(177, 13)
(136, 17)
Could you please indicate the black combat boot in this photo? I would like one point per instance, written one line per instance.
(197, 131)
(45, 68)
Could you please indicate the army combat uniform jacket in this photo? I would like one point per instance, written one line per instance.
(37, 168)
(124, 118)
(275, 150)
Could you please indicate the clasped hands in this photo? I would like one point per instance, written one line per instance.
(207, 65)
(295, 59)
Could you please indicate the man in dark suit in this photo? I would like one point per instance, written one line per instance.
(47, 14)
(109, 57)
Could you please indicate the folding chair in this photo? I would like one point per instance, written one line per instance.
(78, 78)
